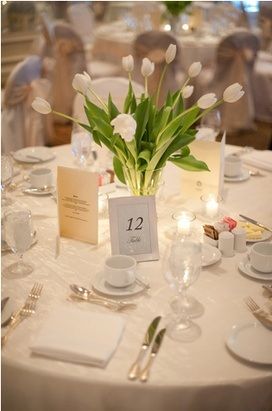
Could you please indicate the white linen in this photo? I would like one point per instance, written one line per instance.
(70, 334)
(261, 159)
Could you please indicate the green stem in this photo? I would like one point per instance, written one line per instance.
(99, 99)
(181, 90)
(160, 84)
(207, 110)
(66, 116)
(146, 88)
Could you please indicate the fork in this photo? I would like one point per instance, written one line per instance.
(26, 311)
(35, 293)
(264, 317)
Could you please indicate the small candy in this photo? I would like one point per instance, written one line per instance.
(232, 223)
(220, 226)
(210, 231)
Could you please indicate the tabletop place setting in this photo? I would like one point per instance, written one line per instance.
(139, 254)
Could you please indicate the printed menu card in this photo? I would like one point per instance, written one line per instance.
(78, 204)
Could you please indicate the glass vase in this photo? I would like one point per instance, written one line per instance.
(143, 183)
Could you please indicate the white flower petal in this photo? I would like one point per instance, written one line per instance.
(81, 82)
(206, 101)
(41, 106)
(125, 125)
(187, 91)
(128, 63)
(194, 69)
(147, 67)
(170, 53)
(233, 93)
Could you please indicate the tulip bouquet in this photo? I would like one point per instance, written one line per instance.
(144, 137)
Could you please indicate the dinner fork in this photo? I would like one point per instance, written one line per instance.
(35, 293)
(26, 311)
(264, 317)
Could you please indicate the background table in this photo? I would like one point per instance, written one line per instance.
(201, 375)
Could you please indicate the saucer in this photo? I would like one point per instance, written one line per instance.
(210, 255)
(258, 350)
(242, 177)
(39, 191)
(38, 154)
(247, 269)
(101, 285)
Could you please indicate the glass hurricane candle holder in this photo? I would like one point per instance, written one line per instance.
(210, 205)
(184, 220)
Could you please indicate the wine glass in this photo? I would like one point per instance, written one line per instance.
(18, 235)
(82, 147)
(183, 265)
(6, 178)
(211, 125)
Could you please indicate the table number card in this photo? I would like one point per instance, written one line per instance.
(78, 204)
(133, 227)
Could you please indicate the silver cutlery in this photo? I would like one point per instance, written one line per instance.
(38, 159)
(7, 321)
(135, 368)
(264, 317)
(4, 302)
(93, 300)
(141, 283)
(255, 173)
(154, 351)
(255, 222)
(45, 189)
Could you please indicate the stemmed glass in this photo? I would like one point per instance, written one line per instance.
(18, 235)
(6, 178)
(182, 268)
(82, 147)
(211, 123)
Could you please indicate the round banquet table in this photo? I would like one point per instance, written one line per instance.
(201, 375)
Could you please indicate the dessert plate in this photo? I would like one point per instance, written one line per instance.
(33, 155)
(247, 269)
(101, 285)
(39, 191)
(251, 342)
(242, 177)
(210, 255)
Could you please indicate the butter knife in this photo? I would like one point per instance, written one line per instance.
(135, 368)
(4, 302)
(255, 222)
(154, 351)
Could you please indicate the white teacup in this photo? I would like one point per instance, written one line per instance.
(260, 257)
(41, 177)
(233, 166)
(120, 270)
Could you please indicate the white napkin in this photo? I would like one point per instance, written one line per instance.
(259, 158)
(70, 334)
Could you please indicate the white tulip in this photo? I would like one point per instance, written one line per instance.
(206, 101)
(41, 106)
(233, 93)
(170, 53)
(125, 125)
(194, 69)
(128, 63)
(147, 67)
(187, 91)
(82, 82)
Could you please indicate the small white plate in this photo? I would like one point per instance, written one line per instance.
(265, 236)
(247, 269)
(210, 255)
(242, 177)
(101, 285)
(36, 192)
(41, 153)
(251, 342)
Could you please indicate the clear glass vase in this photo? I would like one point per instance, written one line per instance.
(143, 183)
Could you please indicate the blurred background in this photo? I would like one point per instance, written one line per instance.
(45, 43)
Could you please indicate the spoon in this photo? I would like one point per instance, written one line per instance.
(255, 173)
(86, 293)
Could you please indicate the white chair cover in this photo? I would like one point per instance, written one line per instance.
(153, 45)
(21, 125)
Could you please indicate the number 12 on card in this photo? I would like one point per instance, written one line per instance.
(133, 227)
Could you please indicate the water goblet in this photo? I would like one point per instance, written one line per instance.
(18, 235)
(6, 178)
(183, 265)
(210, 124)
(82, 147)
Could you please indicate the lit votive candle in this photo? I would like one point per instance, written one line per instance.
(210, 205)
(184, 221)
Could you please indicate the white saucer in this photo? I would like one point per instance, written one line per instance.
(251, 342)
(210, 255)
(36, 192)
(42, 153)
(242, 177)
(265, 236)
(100, 285)
(247, 269)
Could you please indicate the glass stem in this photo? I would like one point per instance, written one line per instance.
(182, 316)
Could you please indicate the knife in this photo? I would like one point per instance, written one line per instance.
(256, 223)
(4, 302)
(154, 351)
(135, 369)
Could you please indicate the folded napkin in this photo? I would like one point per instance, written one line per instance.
(259, 158)
(70, 334)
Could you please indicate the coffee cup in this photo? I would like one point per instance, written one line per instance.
(41, 177)
(233, 166)
(260, 257)
(120, 270)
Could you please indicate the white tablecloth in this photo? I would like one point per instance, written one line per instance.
(202, 375)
